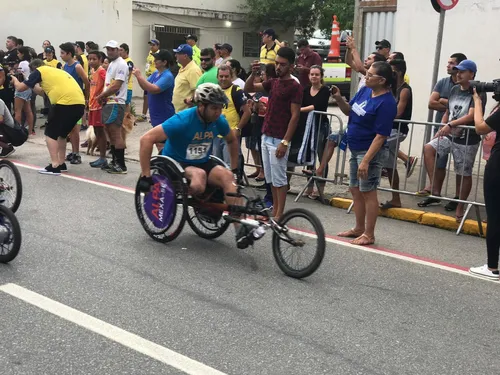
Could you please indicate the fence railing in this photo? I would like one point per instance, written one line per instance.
(463, 145)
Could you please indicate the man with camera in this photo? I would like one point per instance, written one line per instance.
(462, 143)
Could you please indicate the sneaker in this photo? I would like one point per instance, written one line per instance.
(64, 168)
(7, 151)
(451, 206)
(107, 166)
(410, 166)
(117, 169)
(77, 159)
(49, 169)
(484, 272)
(242, 239)
(99, 163)
(70, 156)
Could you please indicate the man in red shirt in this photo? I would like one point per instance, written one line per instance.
(280, 123)
(307, 58)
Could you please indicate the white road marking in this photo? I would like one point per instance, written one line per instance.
(387, 253)
(125, 338)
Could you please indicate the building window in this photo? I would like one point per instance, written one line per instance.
(251, 45)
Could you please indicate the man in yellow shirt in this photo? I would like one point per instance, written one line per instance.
(269, 48)
(186, 79)
(236, 112)
(68, 105)
(192, 40)
(149, 69)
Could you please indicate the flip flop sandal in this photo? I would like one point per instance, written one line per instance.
(351, 233)
(451, 206)
(428, 202)
(423, 193)
(260, 179)
(253, 175)
(369, 241)
(387, 205)
(308, 172)
(313, 197)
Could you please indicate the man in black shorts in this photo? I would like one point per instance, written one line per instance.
(67, 107)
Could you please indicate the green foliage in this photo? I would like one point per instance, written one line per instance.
(303, 15)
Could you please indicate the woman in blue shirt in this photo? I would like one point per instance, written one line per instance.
(371, 114)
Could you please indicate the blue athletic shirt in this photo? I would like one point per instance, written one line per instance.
(71, 70)
(160, 105)
(189, 140)
(369, 117)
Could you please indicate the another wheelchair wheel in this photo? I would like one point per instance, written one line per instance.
(299, 247)
(11, 186)
(10, 235)
(162, 212)
(208, 224)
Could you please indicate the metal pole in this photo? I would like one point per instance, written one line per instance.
(358, 35)
(437, 58)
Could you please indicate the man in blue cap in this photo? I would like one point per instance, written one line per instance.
(186, 79)
(462, 143)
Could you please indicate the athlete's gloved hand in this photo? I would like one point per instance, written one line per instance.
(238, 176)
(145, 183)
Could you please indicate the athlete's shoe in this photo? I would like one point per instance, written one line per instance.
(484, 272)
(117, 169)
(50, 170)
(63, 167)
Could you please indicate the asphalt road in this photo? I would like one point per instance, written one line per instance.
(228, 309)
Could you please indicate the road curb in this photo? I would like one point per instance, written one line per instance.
(420, 217)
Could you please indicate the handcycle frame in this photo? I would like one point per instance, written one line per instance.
(215, 216)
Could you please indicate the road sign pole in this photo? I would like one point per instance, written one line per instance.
(437, 58)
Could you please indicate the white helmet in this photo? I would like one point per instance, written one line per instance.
(210, 93)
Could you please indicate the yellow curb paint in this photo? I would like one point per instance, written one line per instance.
(405, 214)
(420, 217)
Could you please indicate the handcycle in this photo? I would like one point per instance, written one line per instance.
(10, 199)
(164, 211)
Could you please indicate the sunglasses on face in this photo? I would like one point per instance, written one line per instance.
(379, 48)
(205, 59)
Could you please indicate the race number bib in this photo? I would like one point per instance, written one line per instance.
(197, 151)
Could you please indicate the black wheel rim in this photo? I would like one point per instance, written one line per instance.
(8, 186)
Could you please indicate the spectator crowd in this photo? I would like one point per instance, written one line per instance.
(270, 106)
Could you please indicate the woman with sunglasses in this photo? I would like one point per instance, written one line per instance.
(371, 114)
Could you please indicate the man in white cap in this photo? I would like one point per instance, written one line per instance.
(114, 97)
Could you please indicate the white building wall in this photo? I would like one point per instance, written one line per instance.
(471, 28)
(67, 21)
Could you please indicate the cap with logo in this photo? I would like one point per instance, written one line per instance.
(154, 41)
(466, 65)
(384, 43)
(163, 55)
(184, 49)
(80, 44)
(111, 44)
(49, 49)
(227, 46)
(192, 37)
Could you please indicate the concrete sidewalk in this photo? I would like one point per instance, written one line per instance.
(338, 194)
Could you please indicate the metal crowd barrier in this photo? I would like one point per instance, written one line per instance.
(470, 149)
(340, 174)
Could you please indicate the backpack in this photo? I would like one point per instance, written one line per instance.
(15, 135)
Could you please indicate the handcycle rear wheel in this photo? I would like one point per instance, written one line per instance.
(207, 224)
(10, 235)
(171, 231)
(11, 186)
(285, 252)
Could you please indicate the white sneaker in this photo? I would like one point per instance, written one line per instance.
(484, 272)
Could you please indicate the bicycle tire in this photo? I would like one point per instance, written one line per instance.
(169, 233)
(320, 244)
(209, 234)
(19, 184)
(15, 234)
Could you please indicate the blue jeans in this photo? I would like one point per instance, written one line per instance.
(374, 170)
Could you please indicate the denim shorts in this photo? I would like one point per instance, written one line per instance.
(25, 95)
(274, 168)
(374, 170)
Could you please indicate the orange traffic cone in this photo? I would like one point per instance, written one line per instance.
(334, 53)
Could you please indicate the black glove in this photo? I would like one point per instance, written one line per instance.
(145, 183)
(238, 176)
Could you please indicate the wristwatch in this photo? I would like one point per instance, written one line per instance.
(284, 142)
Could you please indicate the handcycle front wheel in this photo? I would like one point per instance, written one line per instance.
(11, 186)
(10, 235)
(162, 212)
(299, 247)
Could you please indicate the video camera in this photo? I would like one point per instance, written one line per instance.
(493, 87)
